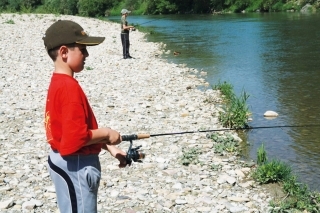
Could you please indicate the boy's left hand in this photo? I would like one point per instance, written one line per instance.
(118, 154)
(122, 159)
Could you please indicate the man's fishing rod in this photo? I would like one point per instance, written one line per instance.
(135, 155)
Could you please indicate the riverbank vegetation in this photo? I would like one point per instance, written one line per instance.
(297, 197)
(235, 111)
(101, 8)
(234, 115)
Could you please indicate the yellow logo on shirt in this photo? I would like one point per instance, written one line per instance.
(47, 126)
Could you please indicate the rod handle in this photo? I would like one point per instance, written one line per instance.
(134, 137)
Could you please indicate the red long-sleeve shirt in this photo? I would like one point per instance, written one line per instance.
(69, 117)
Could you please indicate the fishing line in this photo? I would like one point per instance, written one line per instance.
(149, 21)
(142, 136)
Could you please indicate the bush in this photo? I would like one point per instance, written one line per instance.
(272, 172)
(68, 7)
(290, 6)
(24, 6)
(278, 6)
(161, 7)
(93, 8)
(14, 5)
(298, 198)
(235, 111)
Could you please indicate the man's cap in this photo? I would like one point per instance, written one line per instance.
(124, 11)
(65, 32)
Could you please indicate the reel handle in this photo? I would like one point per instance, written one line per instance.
(134, 137)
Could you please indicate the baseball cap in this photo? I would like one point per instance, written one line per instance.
(124, 11)
(64, 32)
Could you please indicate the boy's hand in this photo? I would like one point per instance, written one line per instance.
(122, 160)
(118, 154)
(113, 137)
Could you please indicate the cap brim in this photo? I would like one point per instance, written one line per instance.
(91, 41)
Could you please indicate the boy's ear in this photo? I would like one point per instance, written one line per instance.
(63, 51)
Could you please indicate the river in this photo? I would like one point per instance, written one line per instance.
(274, 57)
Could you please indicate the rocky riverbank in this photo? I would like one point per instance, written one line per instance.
(141, 95)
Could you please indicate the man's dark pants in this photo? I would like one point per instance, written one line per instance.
(125, 44)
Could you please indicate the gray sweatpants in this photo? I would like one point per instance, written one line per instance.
(76, 179)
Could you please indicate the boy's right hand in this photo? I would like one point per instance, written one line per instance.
(113, 137)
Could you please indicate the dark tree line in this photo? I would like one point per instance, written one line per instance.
(96, 8)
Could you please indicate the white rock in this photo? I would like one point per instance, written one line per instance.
(114, 194)
(28, 205)
(238, 199)
(270, 114)
(6, 204)
(177, 186)
(180, 202)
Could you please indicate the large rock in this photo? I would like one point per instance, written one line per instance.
(270, 114)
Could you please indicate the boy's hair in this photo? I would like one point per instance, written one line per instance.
(53, 53)
(64, 32)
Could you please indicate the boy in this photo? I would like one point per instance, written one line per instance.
(71, 128)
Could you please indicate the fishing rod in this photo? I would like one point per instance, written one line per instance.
(133, 154)
(148, 21)
(143, 136)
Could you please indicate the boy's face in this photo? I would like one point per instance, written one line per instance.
(76, 57)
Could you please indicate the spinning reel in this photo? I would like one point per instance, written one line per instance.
(133, 154)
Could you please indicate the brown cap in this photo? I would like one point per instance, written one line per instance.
(65, 32)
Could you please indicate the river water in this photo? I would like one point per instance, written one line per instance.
(274, 57)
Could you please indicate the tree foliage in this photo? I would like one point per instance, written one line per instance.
(95, 8)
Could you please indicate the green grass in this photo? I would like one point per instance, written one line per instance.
(225, 143)
(298, 197)
(272, 172)
(216, 167)
(226, 89)
(261, 155)
(235, 112)
(10, 21)
(190, 156)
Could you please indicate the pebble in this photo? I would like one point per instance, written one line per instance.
(142, 95)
